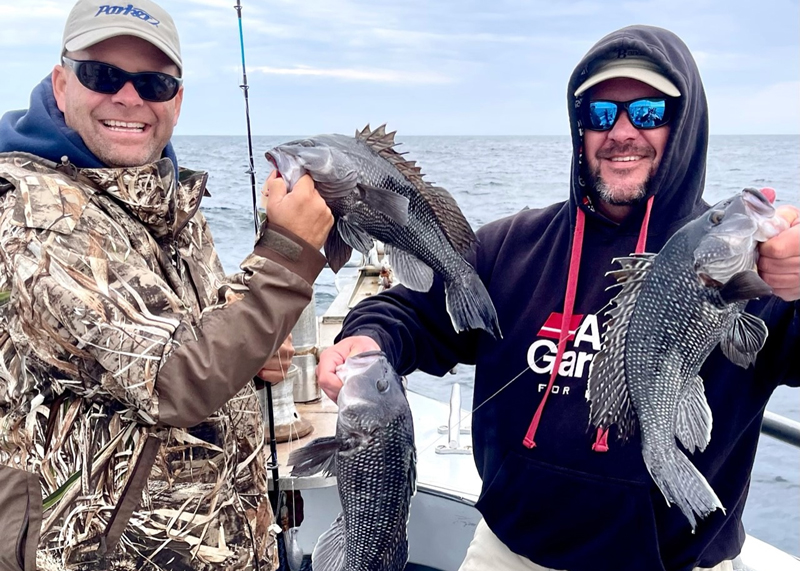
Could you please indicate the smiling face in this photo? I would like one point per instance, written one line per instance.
(622, 161)
(120, 129)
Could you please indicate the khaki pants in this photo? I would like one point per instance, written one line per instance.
(487, 552)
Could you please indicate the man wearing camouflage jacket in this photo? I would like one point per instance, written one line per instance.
(130, 437)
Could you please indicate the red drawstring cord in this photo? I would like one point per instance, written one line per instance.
(566, 319)
(640, 245)
(601, 440)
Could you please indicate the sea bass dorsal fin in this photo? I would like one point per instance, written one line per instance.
(744, 339)
(607, 388)
(744, 286)
(409, 270)
(451, 220)
(317, 456)
(329, 553)
(693, 416)
(393, 205)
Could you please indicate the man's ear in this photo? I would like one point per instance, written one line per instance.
(59, 77)
(178, 101)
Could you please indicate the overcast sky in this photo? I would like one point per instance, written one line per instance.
(431, 67)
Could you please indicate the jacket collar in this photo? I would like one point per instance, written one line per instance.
(152, 195)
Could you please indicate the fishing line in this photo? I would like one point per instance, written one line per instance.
(273, 461)
(504, 387)
(474, 410)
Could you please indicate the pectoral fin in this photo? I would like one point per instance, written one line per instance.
(744, 286)
(354, 236)
(744, 339)
(318, 456)
(393, 205)
(693, 416)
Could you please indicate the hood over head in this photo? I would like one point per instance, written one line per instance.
(678, 183)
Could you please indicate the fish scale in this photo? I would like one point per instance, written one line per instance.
(671, 311)
(376, 502)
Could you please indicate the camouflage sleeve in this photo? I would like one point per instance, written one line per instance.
(91, 310)
(209, 364)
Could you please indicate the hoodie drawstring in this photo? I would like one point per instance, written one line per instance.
(566, 320)
(601, 438)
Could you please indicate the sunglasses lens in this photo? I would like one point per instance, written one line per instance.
(99, 77)
(156, 86)
(602, 115)
(648, 113)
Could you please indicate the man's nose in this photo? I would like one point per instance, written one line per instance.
(623, 129)
(127, 95)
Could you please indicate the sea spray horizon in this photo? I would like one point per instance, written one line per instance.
(496, 176)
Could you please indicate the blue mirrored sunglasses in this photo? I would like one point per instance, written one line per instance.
(106, 78)
(644, 113)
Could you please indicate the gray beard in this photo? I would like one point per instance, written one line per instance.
(606, 193)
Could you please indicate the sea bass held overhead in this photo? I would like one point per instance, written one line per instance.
(374, 193)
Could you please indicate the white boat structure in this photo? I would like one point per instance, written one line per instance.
(443, 515)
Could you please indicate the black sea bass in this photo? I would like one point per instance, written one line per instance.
(672, 310)
(374, 193)
(374, 461)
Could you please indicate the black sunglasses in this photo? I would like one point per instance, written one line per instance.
(106, 78)
(644, 113)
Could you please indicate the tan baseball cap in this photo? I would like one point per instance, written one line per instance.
(635, 68)
(92, 21)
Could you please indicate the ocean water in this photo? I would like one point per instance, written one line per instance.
(492, 177)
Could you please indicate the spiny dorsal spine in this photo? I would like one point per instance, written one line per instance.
(449, 215)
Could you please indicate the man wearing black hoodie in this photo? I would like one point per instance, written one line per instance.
(556, 496)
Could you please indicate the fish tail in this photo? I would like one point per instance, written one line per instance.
(470, 306)
(682, 484)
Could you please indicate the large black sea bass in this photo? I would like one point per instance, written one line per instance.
(374, 461)
(672, 310)
(374, 193)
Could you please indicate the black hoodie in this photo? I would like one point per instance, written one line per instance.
(562, 504)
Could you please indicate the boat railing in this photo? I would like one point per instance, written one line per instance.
(782, 428)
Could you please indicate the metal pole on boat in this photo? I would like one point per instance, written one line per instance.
(274, 494)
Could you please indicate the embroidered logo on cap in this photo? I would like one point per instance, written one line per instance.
(129, 10)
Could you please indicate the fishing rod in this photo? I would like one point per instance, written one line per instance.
(274, 494)
(245, 90)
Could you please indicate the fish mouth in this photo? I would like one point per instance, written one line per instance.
(756, 203)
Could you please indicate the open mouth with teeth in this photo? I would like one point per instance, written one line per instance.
(624, 159)
(124, 126)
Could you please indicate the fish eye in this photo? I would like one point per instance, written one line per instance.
(382, 385)
(307, 143)
(717, 216)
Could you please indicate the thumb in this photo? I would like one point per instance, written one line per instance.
(276, 189)
(790, 213)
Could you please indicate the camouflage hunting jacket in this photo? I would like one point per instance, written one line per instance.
(130, 435)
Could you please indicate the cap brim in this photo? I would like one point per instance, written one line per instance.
(92, 37)
(651, 78)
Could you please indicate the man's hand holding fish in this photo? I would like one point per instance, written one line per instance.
(779, 257)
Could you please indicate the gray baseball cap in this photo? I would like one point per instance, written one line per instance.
(637, 68)
(92, 21)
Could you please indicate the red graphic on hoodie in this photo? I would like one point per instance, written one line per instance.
(552, 327)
